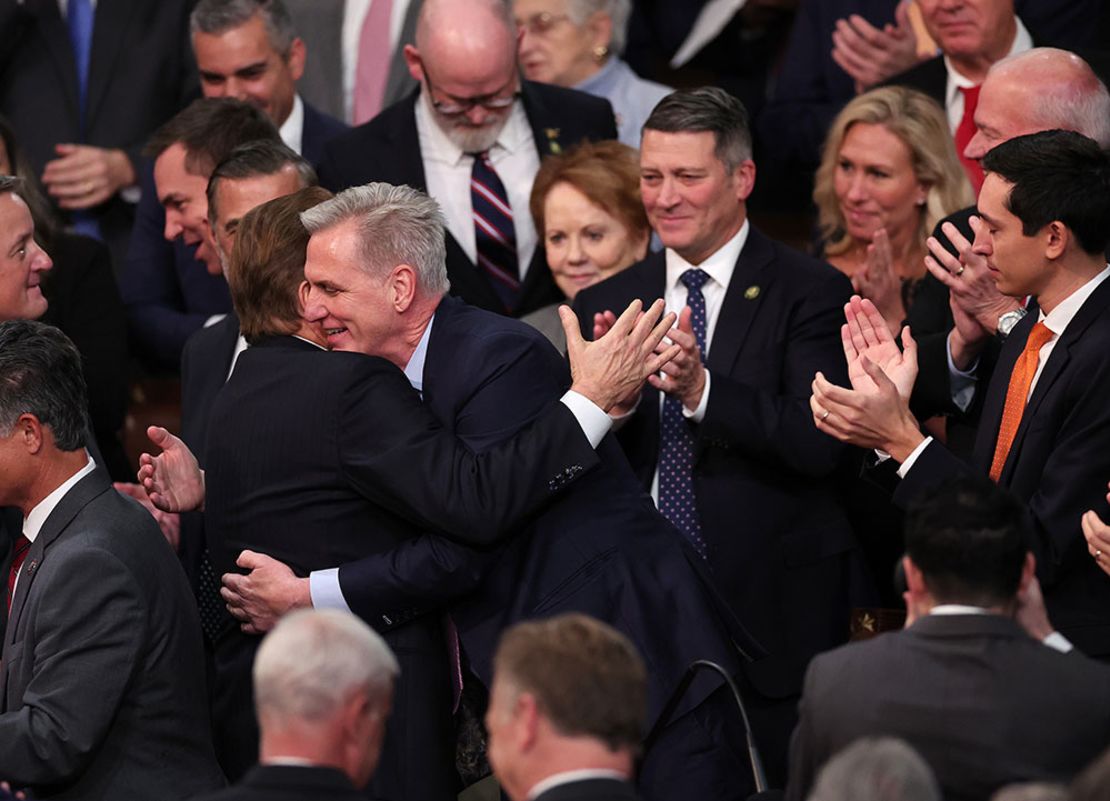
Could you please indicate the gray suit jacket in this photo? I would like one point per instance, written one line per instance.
(102, 694)
(320, 24)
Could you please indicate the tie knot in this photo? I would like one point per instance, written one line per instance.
(694, 279)
(1038, 337)
(970, 93)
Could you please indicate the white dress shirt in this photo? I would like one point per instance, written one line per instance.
(1055, 640)
(447, 171)
(954, 98)
(32, 523)
(323, 585)
(354, 13)
(566, 777)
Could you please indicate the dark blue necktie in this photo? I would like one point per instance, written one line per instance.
(496, 235)
(79, 20)
(676, 449)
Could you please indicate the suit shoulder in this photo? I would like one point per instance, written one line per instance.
(383, 126)
(804, 272)
(928, 77)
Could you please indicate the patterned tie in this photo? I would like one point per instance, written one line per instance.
(1017, 394)
(676, 449)
(374, 56)
(493, 225)
(79, 21)
(964, 133)
(22, 546)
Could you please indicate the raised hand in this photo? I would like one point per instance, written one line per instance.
(879, 281)
(267, 591)
(615, 366)
(865, 334)
(172, 479)
(870, 55)
(84, 176)
(1097, 533)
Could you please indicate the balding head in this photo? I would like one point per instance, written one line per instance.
(1039, 90)
(465, 60)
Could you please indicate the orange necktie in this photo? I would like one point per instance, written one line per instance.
(1016, 395)
(964, 133)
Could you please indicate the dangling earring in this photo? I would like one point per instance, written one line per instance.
(600, 52)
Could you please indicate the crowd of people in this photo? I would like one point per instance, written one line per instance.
(513, 456)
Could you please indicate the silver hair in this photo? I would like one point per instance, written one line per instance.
(215, 17)
(396, 224)
(1032, 791)
(876, 769)
(314, 660)
(618, 10)
(1078, 101)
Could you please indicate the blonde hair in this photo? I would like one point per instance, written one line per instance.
(920, 123)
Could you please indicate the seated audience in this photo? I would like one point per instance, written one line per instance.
(968, 683)
(566, 711)
(1045, 427)
(82, 300)
(577, 43)
(103, 691)
(323, 689)
(889, 173)
(876, 769)
(587, 208)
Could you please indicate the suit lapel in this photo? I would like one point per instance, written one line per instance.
(110, 25)
(56, 36)
(546, 131)
(746, 292)
(92, 485)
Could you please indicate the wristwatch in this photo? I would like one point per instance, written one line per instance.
(1008, 320)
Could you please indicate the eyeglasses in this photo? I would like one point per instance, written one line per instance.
(456, 106)
(539, 24)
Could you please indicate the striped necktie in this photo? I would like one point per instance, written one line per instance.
(495, 234)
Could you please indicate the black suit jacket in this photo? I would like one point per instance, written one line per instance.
(1057, 465)
(141, 72)
(981, 701)
(387, 148)
(290, 783)
(319, 459)
(780, 545)
(102, 694)
(591, 790)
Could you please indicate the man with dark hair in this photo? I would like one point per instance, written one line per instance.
(566, 710)
(1045, 427)
(723, 441)
(102, 694)
(984, 702)
(169, 296)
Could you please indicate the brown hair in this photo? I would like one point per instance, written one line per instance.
(587, 677)
(607, 173)
(267, 264)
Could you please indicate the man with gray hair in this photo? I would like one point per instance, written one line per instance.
(726, 434)
(876, 769)
(472, 137)
(323, 687)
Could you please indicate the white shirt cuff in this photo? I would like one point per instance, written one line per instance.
(1059, 642)
(215, 318)
(594, 421)
(906, 465)
(323, 586)
(699, 413)
(962, 383)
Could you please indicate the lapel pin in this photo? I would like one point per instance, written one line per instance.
(552, 135)
(31, 567)
(752, 292)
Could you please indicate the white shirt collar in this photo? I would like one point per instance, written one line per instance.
(435, 145)
(957, 609)
(309, 341)
(292, 130)
(1022, 42)
(414, 370)
(719, 266)
(573, 776)
(32, 524)
(1065, 310)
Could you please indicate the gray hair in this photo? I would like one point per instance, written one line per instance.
(618, 10)
(396, 224)
(707, 109)
(215, 17)
(1075, 100)
(253, 159)
(314, 660)
(1032, 791)
(876, 769)
(40, 374)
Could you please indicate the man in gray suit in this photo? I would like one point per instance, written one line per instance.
(102, 694)
(976, 683)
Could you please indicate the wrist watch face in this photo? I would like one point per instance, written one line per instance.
(1008, 320)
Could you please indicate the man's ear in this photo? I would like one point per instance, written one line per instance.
(744, 176)
(1057, 238)
(526, 721)
(402, 287)
(414, 63)
(31, 433)
(296, 58)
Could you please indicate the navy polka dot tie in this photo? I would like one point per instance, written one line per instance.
(676, 450)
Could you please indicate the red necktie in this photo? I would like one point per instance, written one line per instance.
(1016, 395)
(22, 546)
(373, 61)
(964, 132)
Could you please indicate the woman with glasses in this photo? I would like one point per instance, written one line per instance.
(576, 43)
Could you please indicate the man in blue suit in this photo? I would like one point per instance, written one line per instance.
(601, 550)
(247, 51)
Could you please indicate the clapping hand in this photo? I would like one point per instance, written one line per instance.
(172, 479)
(870, 55)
